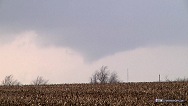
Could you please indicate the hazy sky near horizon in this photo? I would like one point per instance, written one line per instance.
(65, 41)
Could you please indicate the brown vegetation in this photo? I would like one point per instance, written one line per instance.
(122, 94)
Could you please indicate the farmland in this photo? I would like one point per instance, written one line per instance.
(123, 94)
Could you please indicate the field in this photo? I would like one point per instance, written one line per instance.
(123, 94)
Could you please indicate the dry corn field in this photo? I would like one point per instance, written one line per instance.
(123, 94)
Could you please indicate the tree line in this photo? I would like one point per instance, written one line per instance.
(100, 76)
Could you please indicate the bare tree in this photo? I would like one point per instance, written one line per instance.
(9, 81)
(113, 78)
(94, 78)
(181, 80)
(102, 76)
(39, 81)
(167, 79)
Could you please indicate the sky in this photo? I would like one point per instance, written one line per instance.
(66, 41)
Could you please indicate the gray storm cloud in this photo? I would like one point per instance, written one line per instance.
(98, 28)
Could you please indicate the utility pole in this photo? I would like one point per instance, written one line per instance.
(127, 75)
(159, 78)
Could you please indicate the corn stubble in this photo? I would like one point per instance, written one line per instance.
(123, 94)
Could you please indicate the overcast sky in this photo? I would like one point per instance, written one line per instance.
(65, 41)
